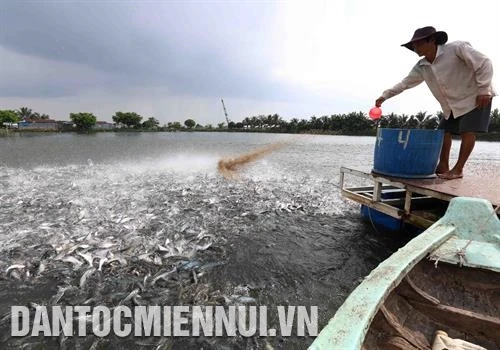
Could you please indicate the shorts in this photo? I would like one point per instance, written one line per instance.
(477, 120)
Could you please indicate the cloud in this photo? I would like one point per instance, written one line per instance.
(198, 49)
(171, 59)
(31, 76)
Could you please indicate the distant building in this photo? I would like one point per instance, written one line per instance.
(10, 125)
(38, 124)
(104, 125)
(65, 125)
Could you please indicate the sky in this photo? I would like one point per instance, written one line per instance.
(174, 60)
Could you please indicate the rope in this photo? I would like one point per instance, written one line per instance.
(373, 224)
(462, 251)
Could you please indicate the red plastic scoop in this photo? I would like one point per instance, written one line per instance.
(375, 113)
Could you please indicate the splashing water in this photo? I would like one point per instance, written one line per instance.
(170, 230)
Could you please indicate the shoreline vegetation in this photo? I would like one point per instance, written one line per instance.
(24, 120)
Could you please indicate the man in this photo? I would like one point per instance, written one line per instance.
(459, 77)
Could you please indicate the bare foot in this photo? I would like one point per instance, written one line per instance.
(451, 175)
(441, 169)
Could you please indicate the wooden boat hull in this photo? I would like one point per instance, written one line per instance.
(462, 301)
(444, 281)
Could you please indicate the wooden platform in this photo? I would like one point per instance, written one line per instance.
(419, 202)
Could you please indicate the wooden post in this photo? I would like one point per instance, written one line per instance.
(408, 201)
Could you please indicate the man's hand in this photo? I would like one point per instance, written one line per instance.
(483, 100)
(378, 101)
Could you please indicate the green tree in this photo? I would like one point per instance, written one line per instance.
(303, 125)
(25, 113)
(254, 122)
(315, 123)
(174, 125)
(355, 123)
(247, 122)
(335, 122)
(130, 119)
(293, 126)
(495, 120)
(430, 122)
(83, 121)
(394, 120)
(412, 123)
(189, 123)
(422, 120)
(151, 123)
(8, 116)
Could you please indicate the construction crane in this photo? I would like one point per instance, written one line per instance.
(225, 112)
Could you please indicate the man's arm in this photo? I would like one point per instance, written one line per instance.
(413, 79)
(483, 71)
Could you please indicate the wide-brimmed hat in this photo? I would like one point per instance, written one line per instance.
(425, 32)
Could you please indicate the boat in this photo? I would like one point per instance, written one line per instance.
(439, 291)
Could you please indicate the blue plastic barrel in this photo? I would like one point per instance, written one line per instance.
(407, 153)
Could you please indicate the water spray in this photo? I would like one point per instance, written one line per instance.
(229, 167)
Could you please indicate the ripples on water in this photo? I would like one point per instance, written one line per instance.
(172, 231)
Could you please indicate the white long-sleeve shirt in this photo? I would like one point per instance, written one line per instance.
(457, 76)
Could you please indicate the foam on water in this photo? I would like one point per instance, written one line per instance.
(181, 164)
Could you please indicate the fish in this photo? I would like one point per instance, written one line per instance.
(88, 257)
(163, 275)
(14, 267)
(204, 246)
(72, 260)
(106, 245)
(130, 296)
(99, 344)
(157, 260)
(246, 300)
(85, 276)
(60, 292)
(102, 261)
(120, 260)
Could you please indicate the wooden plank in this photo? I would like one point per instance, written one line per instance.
(374, 178)
(414, 219)
(484, 185)
(408, 198)
(416, 339)
(431, 193)
(464, 320)
(377, 190)
(398, 343)
(358, 173)
(362, 188)
(413, 190)
(396, 202)
(408, 289)
(418, 221)
(384, 208)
